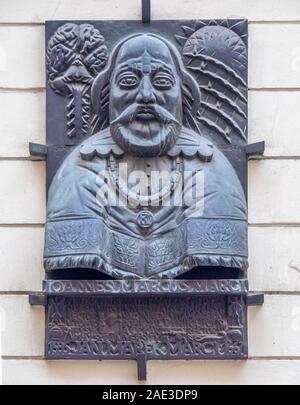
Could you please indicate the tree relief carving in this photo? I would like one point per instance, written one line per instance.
(76, 53)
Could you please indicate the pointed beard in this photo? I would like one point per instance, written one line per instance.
(145, 139)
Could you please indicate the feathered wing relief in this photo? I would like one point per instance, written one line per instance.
(216, 54)
(76, 53)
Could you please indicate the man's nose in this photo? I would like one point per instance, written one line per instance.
(145, 94)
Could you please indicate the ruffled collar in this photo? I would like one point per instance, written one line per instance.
(189, 144)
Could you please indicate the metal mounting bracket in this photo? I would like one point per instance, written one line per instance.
(37, 151)
(255, 299)
(257, 148)
(146, 11)
(141, 360)
(38, 299)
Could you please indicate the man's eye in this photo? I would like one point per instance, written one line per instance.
(162, 82)
(128, 82)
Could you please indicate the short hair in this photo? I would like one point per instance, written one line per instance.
(101, 84)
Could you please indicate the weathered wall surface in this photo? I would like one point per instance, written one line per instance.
(274, 192)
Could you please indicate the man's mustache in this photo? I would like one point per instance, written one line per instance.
(129, 114)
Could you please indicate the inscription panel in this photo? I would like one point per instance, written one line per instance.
(159, 327)
(145, 287)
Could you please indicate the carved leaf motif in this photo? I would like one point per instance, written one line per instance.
(72, 236)
(164, 251)
(126, 250)
(217, 235)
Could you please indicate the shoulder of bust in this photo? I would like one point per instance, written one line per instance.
(190, 144)
(101, 144)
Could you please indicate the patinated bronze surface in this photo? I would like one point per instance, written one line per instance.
(179, 320)
(147, 179)
(151, 107)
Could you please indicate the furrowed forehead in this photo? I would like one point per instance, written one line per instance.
(136, 47)
(143, 65)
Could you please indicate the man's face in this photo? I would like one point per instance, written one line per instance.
(145, 98)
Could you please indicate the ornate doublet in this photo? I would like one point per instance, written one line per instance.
(140, 240)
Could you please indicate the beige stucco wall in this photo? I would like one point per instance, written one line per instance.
(274, 192)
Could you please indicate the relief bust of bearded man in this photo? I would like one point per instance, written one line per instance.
(130, 223)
